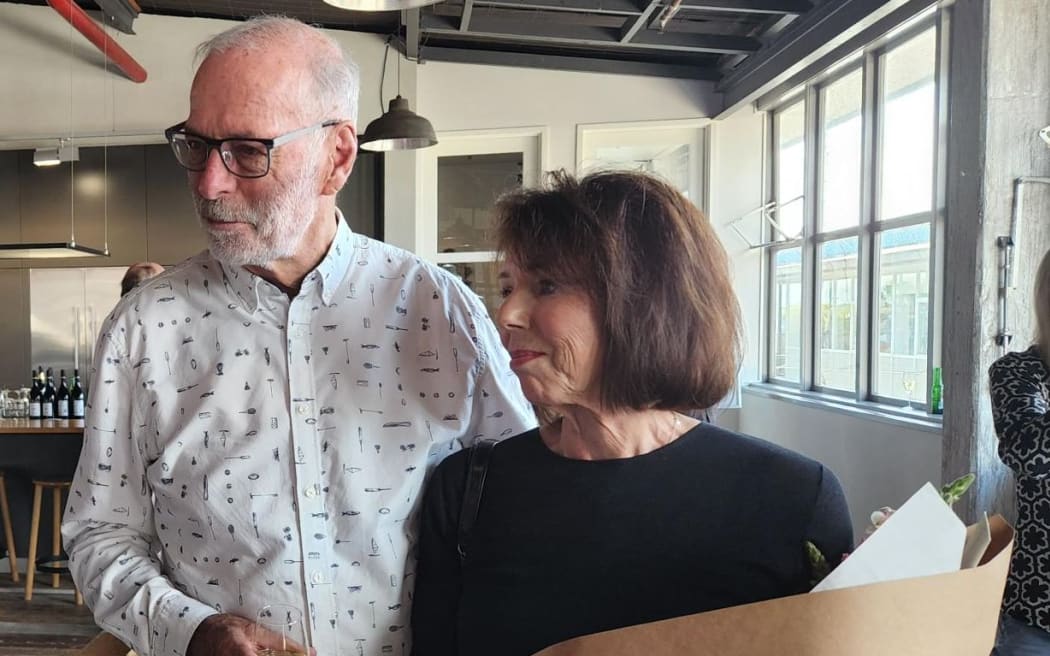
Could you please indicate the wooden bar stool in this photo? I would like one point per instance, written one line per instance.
(9, 534)
(53, 564)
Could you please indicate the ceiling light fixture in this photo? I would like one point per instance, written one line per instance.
(380, 5)
(65, 152)
(55, 156)
(399, 128)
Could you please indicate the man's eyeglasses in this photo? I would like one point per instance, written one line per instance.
(245, 158)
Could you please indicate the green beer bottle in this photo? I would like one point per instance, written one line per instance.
(937, 393)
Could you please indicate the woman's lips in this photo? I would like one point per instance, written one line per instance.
(520, 357)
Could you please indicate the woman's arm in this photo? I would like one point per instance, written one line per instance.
(1019, 409)
(435, 602)
(830, 526)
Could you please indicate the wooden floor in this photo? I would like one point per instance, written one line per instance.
(51, 624)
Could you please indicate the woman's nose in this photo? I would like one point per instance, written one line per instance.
(512, 313)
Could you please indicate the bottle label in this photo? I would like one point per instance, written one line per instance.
(47, 411)
(63, 410)
(34, 410)
(78, 409)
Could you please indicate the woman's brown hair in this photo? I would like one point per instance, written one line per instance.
(656, 271)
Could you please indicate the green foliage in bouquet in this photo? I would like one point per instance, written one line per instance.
(818, 563)
(953, 491)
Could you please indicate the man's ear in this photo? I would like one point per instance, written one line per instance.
(341, 158)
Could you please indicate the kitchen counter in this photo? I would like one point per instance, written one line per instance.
(41, 426)
(32, 449)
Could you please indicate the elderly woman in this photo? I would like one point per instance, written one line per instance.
(1021, 409)
(619, 315)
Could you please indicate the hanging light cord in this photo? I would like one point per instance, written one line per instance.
(72, 164)
(382, 75)
(105, 141)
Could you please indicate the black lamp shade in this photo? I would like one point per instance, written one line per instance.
(398, 129)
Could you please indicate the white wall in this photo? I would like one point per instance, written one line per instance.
(35, 69)
(472, 96)
(878, 463)
(735, 188)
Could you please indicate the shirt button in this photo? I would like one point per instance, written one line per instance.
(317, 578)
(301, 409)
(311, 491)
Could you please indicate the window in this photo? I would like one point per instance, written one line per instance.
(855, 174)
(465, 173)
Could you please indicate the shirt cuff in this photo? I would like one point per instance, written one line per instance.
(179, 617)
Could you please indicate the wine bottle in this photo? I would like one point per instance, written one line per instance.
(76, 397)
(47, 398)
(34, 398)
(62, 397)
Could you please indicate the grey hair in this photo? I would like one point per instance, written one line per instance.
(335, 75)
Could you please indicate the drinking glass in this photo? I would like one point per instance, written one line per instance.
(280, 631)
(908, 383)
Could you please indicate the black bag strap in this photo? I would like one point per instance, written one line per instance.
(477, 468)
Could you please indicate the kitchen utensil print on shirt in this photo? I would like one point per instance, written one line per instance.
(283, 439)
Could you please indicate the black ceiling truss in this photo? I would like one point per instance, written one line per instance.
(689, 39)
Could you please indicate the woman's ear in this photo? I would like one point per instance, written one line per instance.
(341, 158)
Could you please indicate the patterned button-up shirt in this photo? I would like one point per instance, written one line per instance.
(1020, 390)
(242, 447)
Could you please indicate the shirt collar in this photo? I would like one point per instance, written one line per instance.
(329, 273)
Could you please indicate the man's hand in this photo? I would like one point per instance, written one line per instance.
(232, 635)
(223, 635)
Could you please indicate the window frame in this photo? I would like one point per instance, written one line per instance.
(531, 142)
(871, 62)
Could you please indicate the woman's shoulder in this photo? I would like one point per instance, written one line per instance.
(746, 445)
(738, 450)
(1028, 364)
(455, 465)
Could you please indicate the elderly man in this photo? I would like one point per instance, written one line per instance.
(263, 414)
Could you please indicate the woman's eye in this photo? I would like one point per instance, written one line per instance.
(504, 292)
(545, 287)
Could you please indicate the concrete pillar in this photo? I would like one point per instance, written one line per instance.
(1000, 98)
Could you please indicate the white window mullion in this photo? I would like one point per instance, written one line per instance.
(810, 259)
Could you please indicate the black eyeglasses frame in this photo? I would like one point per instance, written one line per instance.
(177, 131)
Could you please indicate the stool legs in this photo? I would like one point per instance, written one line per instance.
(9, 534)
(34, 534)
(56, 488)
(56, 530)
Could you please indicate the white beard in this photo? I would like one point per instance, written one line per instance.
(279, 222)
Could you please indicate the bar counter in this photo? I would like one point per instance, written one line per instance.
(41, 426)
(31, 449)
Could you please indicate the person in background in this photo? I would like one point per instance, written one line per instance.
(618, 313)
(264, 413)
(1020, 392)
(136, 273)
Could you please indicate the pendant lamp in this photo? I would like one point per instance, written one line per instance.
(399, 128)
(66, 151)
